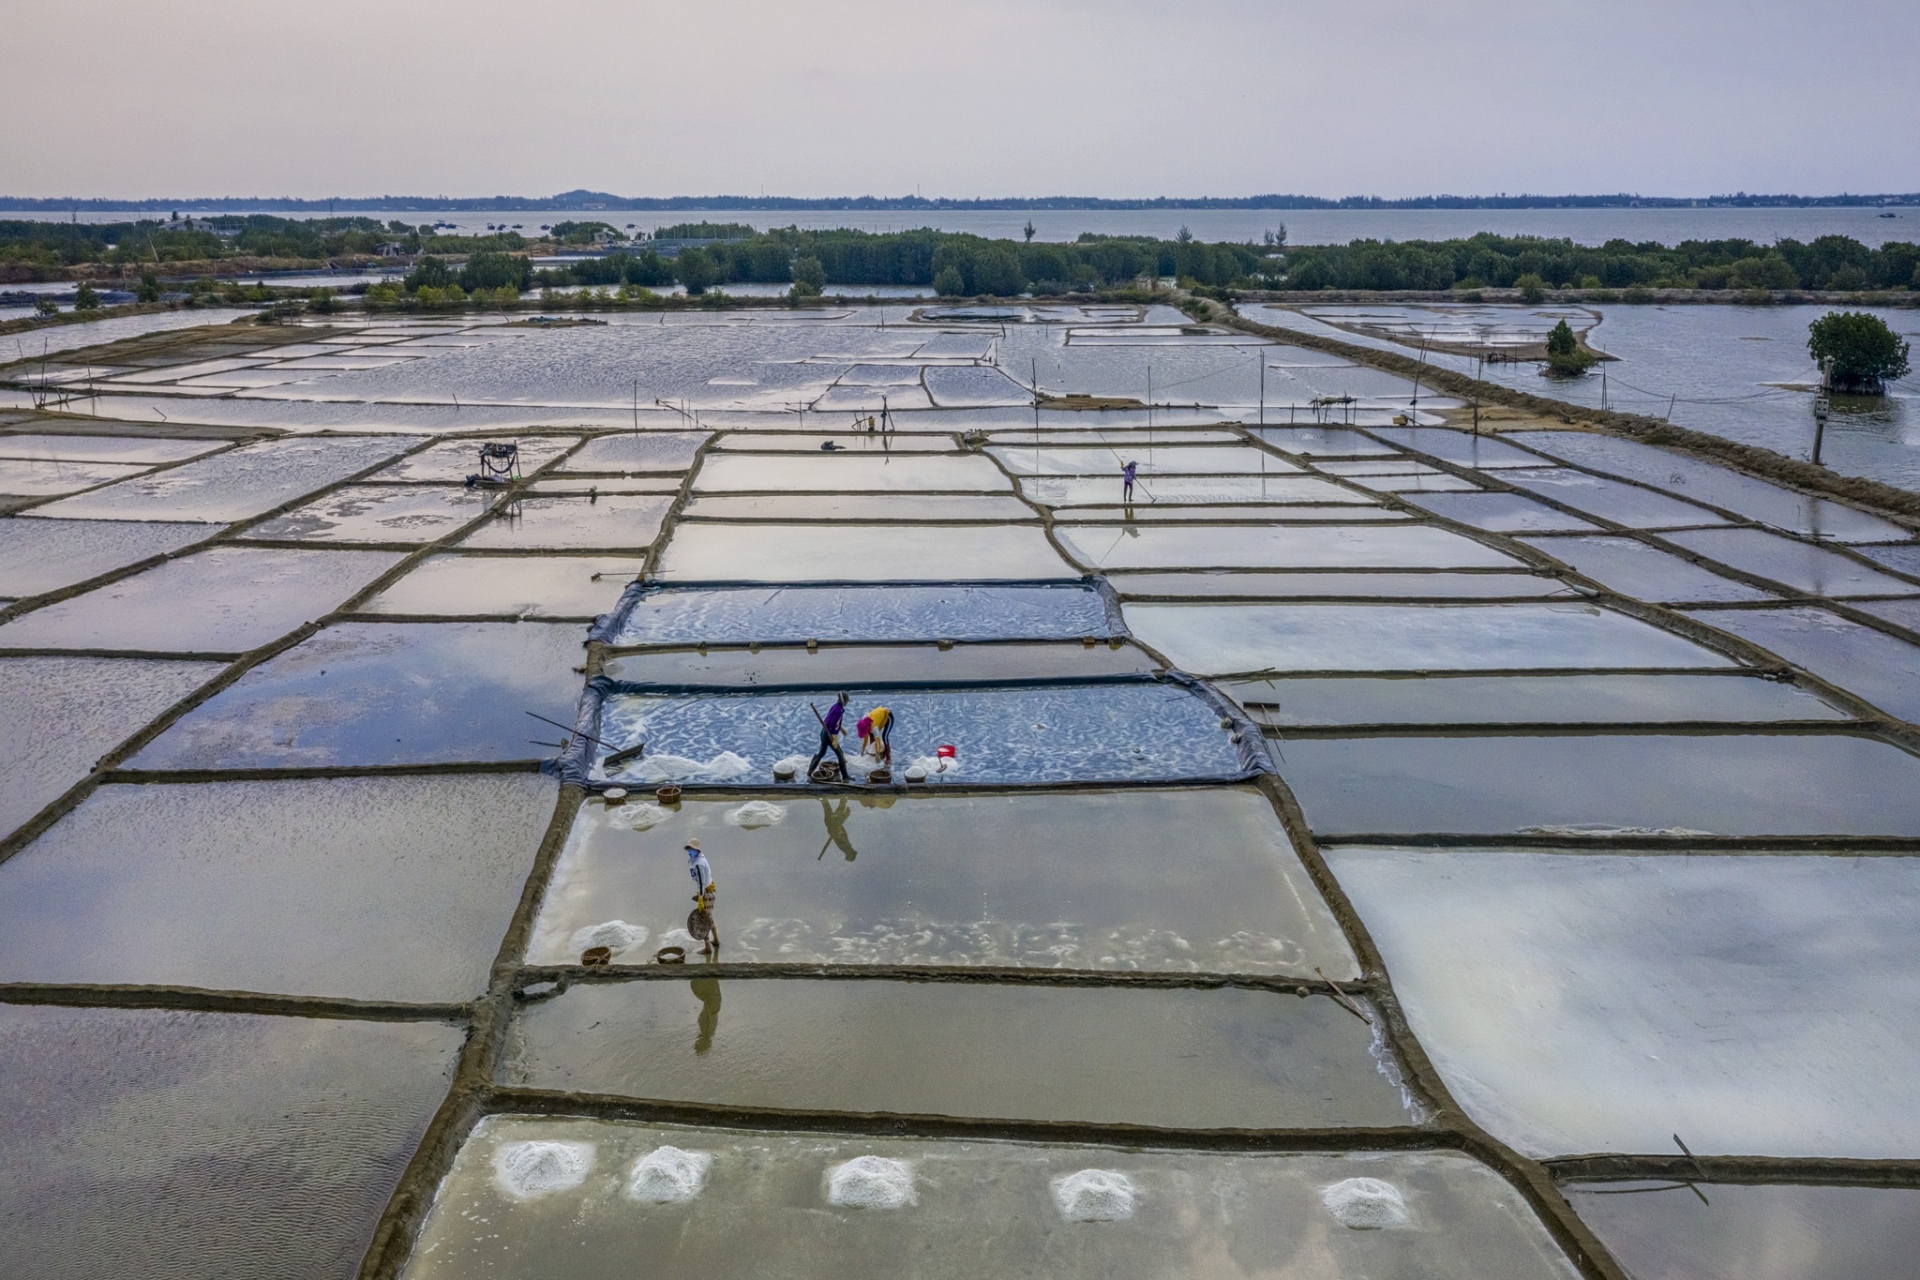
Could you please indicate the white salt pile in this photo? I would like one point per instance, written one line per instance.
(1094, 1195)
(797, 763)
(1365, 1204)
(615, 935)
(723, 767)
(936, 767)
(528, 1170)
(636, 817)
(668, 1175)
(871, 1182)
(756, 813)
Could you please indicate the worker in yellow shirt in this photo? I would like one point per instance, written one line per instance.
(876, 735)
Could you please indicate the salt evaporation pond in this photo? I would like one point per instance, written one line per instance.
(37, 556)
(771, 615)
(1223, 638)
(181, 1145)
(384, 693)
(1135, 731)
(1179, 1058)
(977, 1208)
(264, 886)
(1632, 568)
(1873, 665)
(1607, 785)
(1756, 1232)
(926, 880)
(1586, 1002)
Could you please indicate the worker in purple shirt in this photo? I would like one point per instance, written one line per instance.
(1127, 474)
(830, 736)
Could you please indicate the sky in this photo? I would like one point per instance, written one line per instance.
(968, 98)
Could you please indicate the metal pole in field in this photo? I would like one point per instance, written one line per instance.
(1263, 386)
(1820, 403)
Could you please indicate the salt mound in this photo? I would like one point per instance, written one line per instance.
(756, 813)
(615, 935)
(1365, 1204)
(668, 1175)
(636, 817)
(722, 767)
(1094, 1195)
(528, 1170)
(799, 764)
(871, 1182)
(932, 765)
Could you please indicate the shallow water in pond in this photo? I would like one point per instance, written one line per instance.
(1223, 1058)
(160, 1143)
(360, 888)
(1717, 486)
(373, 693)
(378, 513)
(1066, 491)
(1796, 565)
(1461, 448)
(1161, 461)
(1633, 568)
(860, 473)
(576, 522)
(39, 479)
(1584, 1003)
(742, 615)
(221, 600)
(639, 451)
(1325, 442)
(1881, 668)
(520, 586)
(802, 553)
(234, 485)
(1622, 699)
(1759, 784)
(860, 508)
(1278, 586)
(145, 450)
(1500, 512)
(1277, 547)
(1778, 1232)
(1624, 504)
(58, 716)
(44, 555)
(764, 1196)
(924, 880)
(1214, 639)
(1123, 732)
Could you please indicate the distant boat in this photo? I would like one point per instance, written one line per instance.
(1889, 215)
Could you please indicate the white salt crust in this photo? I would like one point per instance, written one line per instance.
(871, 1182)
(1365, 1204)
(529, 1170)
(1094, 1195)
(635, 817)
(668, 1175)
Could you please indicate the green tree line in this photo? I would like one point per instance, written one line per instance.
(1830, 262)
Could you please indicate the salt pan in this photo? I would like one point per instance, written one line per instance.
(528, 1170)
(1094, 1195)
(668, 1175)
(756, 813)
(615, 935)
(871, 1182)
(1365, 1204)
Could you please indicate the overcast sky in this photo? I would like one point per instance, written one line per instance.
(189, 98)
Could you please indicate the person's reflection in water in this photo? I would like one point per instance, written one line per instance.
(707, 990)
(836, 820)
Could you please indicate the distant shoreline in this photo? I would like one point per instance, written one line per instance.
(591, 201)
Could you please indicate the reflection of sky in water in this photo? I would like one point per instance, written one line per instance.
(1088, 733)
(742, 615)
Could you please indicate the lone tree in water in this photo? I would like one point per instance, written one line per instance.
(1563, 351)
(1858, 351)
